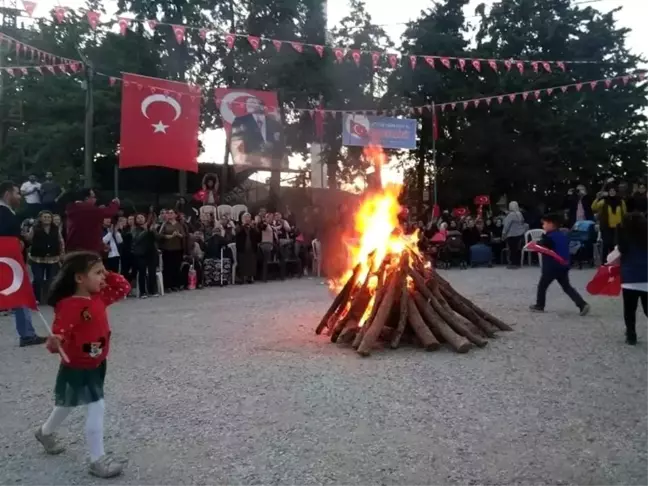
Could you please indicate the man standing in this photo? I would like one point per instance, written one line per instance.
(30, 190)
(85, 223)
(257, 138)
(50, 191)
(10, 226)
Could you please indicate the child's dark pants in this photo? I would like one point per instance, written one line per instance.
(562, 277)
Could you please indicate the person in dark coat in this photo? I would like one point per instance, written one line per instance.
(10, 226)
(247, 244)
(578, 205)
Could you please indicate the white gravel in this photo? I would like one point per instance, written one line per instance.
(231, 386)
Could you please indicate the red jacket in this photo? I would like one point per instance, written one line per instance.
(83, 324)
(85, 225)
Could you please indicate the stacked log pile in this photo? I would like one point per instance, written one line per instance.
(403, 300)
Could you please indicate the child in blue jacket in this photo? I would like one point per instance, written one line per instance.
(552, 269)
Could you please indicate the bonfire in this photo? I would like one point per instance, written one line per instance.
(391, 294)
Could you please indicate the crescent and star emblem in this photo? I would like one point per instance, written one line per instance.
(160, 127)
(18, 275)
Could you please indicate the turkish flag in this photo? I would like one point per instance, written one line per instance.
(533, 246)
(607, 281)
(159, 124)
(15, 287)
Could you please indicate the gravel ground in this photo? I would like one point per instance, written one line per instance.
(232, 386)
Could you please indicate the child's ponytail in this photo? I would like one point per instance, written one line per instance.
(64, 284)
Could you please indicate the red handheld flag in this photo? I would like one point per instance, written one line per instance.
(533, 246)
(159, 124)
(15, 288)
(606, 281)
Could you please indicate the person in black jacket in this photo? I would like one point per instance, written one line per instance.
(579, 205)
(145, 257)
(10, 226)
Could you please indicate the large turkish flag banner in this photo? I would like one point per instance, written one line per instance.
(15, 287)
(159, 123)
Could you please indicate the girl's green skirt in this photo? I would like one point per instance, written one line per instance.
(76, 387)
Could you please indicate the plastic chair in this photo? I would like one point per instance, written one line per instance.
(317, 257)
(224, 209)
(237, 210)
(206, 213)
(529, 236)
(232, 246)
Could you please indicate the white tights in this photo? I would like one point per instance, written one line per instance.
(94, 429)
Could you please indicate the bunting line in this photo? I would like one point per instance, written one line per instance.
(536, 94)
(66, 68)
(36, 54)
(395, 60)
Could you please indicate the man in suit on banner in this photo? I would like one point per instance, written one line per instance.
(257, 138)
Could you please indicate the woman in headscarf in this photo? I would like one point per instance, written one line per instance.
(513, 233)
(611, 209)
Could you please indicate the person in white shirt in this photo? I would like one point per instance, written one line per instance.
(112, 238)
(30, 191)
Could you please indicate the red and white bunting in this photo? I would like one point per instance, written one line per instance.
(593, 85)
(203, 34)
(465, 104)
(520, 66)
(393, 60)
(277, 44)
(608, 83)
(476, 63)
(525, 95)
(537, 93)
(254, 41)
(462, 64)
(18, 47)
(625, 79)
(123, 25)
(508, 63)
(112, 81)
(59, 13)
(51, 69)
(500, 99)
(29, 7)
(355, 55)
(412, 61)
(453, 105)
(549, 91)
(446, 62)
(339, 54)
(320, 50)
(488, 101)
(179, 33)
(229, 41)
(561, 65)
(152, 23)
(298, 46)
(492, 64)
(535, 65)
(579, 86)
(511, 97)
(10, 72)
(546, 66)
(442, 107)
(93, 18)
(74, 67)
(476, 102)
(375, 59)
(39, 69)
(564, 89)
(429, 60)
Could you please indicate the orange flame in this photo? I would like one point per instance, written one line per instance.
(377, 231)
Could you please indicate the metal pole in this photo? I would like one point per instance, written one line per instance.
(435, 129)
(116, 179)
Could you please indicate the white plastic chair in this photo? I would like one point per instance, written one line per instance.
(529, 236)
(317, 257)
(206, 212)
(237, 210)
(232, 246)
(224, 209)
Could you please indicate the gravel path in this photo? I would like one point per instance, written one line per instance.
(231, 386)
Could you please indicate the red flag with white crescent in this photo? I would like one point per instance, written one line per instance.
(320, 50)
(534, 246)
(15, 288)
(156, 128)
(277, 44)
(429, 60)
(93, 18)
(29, 7)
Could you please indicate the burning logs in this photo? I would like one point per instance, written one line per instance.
(398, 299)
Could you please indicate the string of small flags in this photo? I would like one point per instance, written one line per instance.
(453, 105)
(394, 60)
(37, 55)
(42, 69)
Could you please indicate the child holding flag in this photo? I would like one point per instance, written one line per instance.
(556, 268)
(81, 334)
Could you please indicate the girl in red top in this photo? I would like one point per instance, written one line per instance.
(79, 294)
